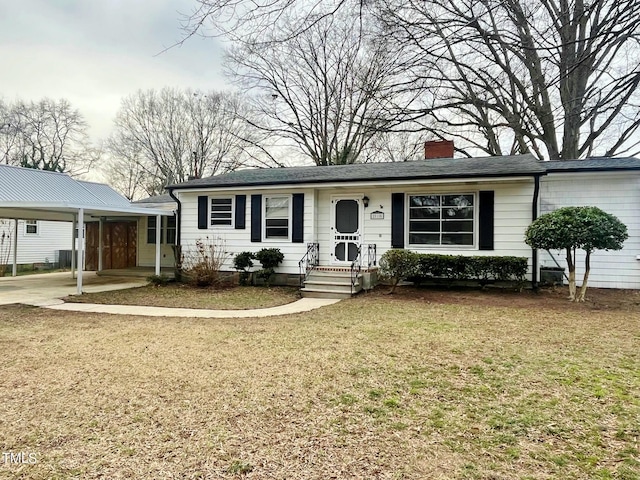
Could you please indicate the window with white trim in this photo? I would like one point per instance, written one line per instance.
(277, 217)
(221, 213)
(171, 229)
(31, 227)
(441, 220)
(151, 230)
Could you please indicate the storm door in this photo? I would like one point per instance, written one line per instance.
(346, 228)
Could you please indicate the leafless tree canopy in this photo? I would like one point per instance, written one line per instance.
(555, 77)
(558, 78)
(328, 89)
(47, 135)
(168, 136)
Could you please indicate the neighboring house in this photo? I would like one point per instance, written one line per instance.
(467, 206)
(41, 242)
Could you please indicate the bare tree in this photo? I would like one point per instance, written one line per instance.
(169, 136)
(46, 135)
(246, 20)
(557, 78)
(328, 90)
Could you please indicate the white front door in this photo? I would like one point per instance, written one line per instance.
(346, 229)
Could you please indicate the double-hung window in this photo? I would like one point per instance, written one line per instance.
(221, 212)
(441, 219)
(31, 227)
(167, 233)
(277, 214)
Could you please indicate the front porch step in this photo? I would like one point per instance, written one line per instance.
(329, 282)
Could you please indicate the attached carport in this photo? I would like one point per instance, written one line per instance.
(27, 194)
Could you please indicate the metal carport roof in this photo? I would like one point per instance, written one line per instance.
(30, 194)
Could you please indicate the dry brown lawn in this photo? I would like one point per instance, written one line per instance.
(184, 296)
(420, 385)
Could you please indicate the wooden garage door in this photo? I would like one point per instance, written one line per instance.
(119, 242)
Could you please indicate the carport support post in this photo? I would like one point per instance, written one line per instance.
(80, 248)
(74, 227)
(158, 234)
(14, 272)
(100, 246)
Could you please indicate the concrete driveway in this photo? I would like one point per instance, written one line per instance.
(41, 289)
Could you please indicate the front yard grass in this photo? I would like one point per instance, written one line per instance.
(184, 296)
(373, 387)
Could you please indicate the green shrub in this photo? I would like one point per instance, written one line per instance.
(270, 258)
(397, 265)
(159, 280)
(243, 262)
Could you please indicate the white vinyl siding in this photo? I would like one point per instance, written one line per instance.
(512, 215)
(617, 194)
(45, 246)
(239, 240)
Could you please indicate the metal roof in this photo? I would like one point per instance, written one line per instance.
(42, 195)
(485, 167)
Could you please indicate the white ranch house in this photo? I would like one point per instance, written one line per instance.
(468, 206)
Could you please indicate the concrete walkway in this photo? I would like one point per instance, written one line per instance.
(299, 306)
(46, 290)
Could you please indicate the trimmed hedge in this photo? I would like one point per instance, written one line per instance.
(397, 265)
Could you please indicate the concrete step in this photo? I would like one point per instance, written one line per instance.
(332, 286)
(324, 294)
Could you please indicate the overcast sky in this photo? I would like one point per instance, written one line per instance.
(95, 52)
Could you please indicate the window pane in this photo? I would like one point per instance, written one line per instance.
(457, 200)
(424, 226)
(277, 207)
(458, 226)
(277, 232)
(171, 230)
(221, 215)
(277, 222)
(425, 212)
(221, 201)
(457, 212)
(424, 238)
(151, 229)
(424, 200)
(220, 222)
(457, 239)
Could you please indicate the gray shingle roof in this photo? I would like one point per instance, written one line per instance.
(166, 198)
(482, 167)
(593, 164)
(421, 169)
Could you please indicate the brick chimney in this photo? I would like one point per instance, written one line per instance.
(438, 149)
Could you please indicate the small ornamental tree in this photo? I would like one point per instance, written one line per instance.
(572, 228)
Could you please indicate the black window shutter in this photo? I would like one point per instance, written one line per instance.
(297, 232)
(397, 220)
(203, 211)
(256, 218)
(485, 234)
(241, 208)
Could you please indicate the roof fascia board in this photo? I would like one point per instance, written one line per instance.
(362, 184)
(587, 170)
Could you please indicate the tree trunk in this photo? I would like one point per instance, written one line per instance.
(587, 268)
(571, 265)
